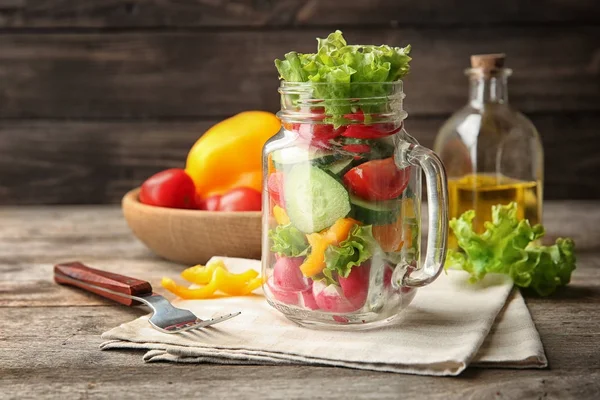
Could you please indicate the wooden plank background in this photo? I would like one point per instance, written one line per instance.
(96, 95)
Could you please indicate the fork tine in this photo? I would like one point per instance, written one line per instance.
(195, 324)
(216, 320)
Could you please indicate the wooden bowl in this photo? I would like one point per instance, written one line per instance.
(193, 236)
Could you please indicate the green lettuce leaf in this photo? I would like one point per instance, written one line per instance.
(291, 69)
(554, 266)
(508, 245)
(329, 276)
(355, 250)
(338, 64)
(288, 241)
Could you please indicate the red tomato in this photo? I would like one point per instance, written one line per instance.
(275, 187)
(241, 199)
(377, 180)
(210, 203)
(199, 202)
(171, 188)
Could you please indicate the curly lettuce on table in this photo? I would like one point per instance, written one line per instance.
(509, 246)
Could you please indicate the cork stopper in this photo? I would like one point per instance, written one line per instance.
(488, 62)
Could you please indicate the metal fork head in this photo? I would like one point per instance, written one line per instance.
(167, 318)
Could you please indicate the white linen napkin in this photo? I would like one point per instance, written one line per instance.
(449, 325)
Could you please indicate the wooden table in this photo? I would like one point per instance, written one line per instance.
(49, 335)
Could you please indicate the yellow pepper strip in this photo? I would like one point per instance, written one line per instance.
(339, 231)
(199, 274)
(393, 237)
(216, 277)
(234, 284)
(234, 279)
(189, 294)
(408, 208)
(280, 216)
(255, 283)
(336, 233)
(407, 239)
(315, 261)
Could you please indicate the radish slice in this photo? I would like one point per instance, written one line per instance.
(287, 275)
(331, 298)
(284, 296)
(356, 286)
(309, 300)
(387, 276)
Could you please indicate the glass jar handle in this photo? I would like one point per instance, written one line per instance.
(437, 207)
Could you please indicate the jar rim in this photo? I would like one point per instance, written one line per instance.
(332, 102)
(286, 84)
(316, 91)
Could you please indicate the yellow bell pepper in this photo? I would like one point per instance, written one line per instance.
(229, 154)
(315, 262)
(280, 216)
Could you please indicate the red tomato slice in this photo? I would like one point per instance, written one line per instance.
(241, 199)
(357, 116)
(275, 188)
(171, 188)
(318, 135)
(318, 110)
(375, 131)
(377, 180)
(357, 148)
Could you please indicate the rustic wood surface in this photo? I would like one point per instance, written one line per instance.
(49, 334)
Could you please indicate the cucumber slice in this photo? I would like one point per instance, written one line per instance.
(286, 157)
(314, 200)
(340, 167)
(382, 149)
(375, 213)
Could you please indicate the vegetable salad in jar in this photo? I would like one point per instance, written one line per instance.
(342, 188)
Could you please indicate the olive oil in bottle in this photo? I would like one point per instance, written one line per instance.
(481, 192)
(492, 153)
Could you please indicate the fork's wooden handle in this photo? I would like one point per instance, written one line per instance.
(94, 280)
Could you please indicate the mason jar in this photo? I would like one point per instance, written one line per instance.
(342, 206)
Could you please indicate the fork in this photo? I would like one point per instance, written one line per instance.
(131, 292)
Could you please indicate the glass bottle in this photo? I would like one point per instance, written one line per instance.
(492, 153)
(342, 207)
